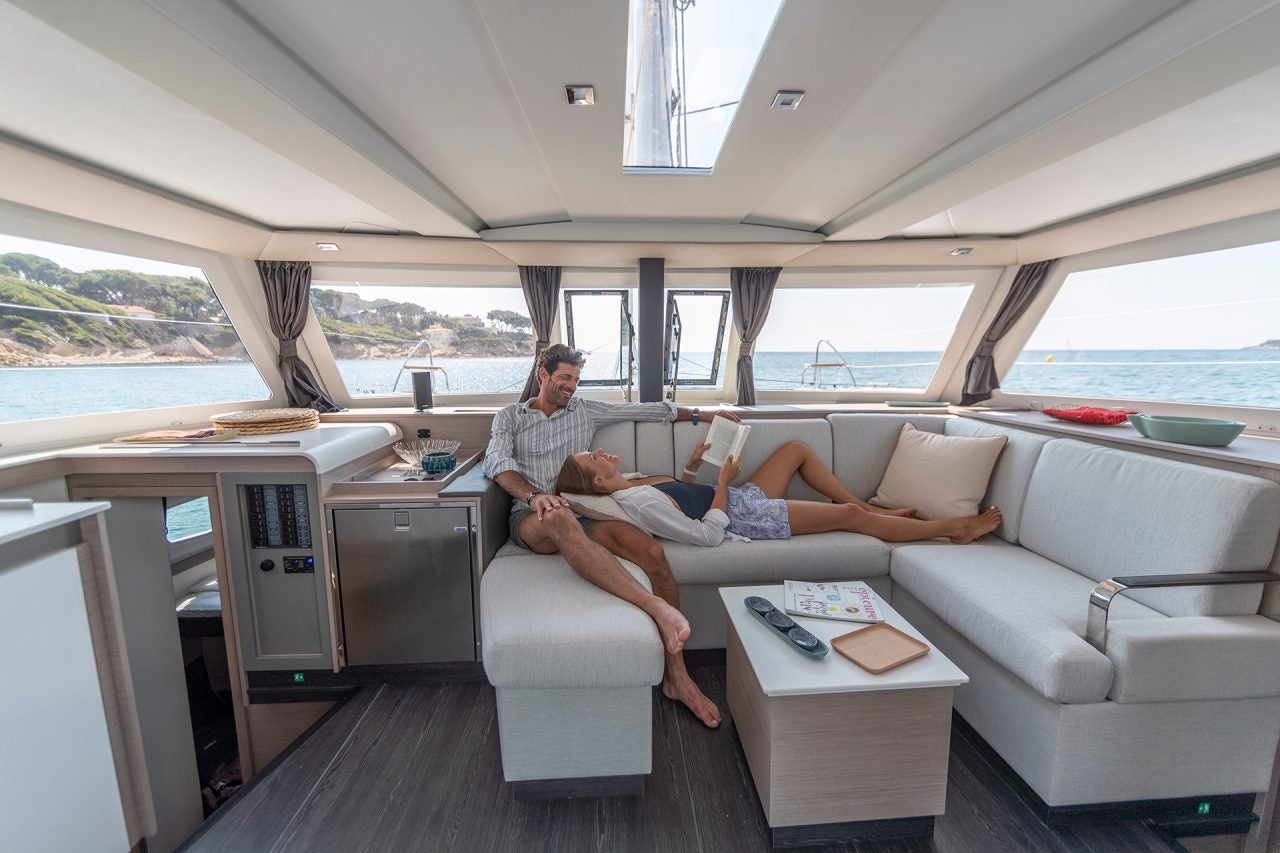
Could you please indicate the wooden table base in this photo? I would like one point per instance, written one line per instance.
(859, 765)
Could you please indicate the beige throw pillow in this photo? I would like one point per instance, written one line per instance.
(942, 476)
(599, 507)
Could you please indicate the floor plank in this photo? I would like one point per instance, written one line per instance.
(407, 767)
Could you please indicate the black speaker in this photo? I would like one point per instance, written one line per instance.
(421, 389)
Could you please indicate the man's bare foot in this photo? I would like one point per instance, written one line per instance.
(683, 690)
(978, 525)
(672, 626)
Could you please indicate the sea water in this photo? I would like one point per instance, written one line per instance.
(1233, 377)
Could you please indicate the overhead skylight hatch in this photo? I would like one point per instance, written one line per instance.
(688, 63)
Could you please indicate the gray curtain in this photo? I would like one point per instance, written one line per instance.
(752, 290)
(980, 377)
(542, 293)
(288, 288)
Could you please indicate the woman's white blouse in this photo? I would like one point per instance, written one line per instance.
(653, 512)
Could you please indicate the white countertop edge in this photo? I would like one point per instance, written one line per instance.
(18, 523)
(870, 688)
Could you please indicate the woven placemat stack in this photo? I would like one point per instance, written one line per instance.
(268, 421)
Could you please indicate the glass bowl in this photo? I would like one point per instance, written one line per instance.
(412, 450)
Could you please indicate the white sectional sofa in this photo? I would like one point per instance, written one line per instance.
(1182, 700)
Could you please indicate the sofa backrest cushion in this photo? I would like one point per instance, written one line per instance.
(619, 438)
(1009, 481)
(861, 446)
(1106, 513)
(655, 452)
(766, 436)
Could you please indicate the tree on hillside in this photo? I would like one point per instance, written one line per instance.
(508, 320)
(37, 269)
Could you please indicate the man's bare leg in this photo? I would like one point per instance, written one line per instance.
(796, 457)
(630, 543)
(559, 531)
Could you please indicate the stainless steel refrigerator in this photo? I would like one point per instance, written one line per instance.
(405, 583)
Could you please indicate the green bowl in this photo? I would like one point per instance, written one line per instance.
(1206, 432)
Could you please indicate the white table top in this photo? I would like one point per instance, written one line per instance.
(785, 671)
(17, 523)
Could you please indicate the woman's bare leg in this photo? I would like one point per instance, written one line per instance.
(814, 517)
(797, 457)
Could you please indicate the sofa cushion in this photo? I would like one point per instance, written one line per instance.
(766, 437)
(543, 626)
(941, 476)
(1012, 475)
(619, 438)
(1107, 513)
(1022, 610)
(862, 444)
(655, 449)
(1194, 657)
(817, 556)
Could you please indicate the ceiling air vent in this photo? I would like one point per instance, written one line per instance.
(581, 96)
(787, 100)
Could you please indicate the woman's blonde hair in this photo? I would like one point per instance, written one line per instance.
(574, 479)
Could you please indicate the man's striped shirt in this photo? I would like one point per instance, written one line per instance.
(533, 445)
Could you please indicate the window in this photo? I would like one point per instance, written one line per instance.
(695, 343)
(185, 518)
(85, 332)
(1199, 328)
(478, 340)
(687, 67)
(857, 338)
(601, 325)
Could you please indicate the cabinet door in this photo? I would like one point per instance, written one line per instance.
(404, 575)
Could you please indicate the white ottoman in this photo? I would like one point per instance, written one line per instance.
(574, 669)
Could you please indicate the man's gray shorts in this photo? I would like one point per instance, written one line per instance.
(519, 515)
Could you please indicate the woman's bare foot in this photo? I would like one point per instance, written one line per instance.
(672, 626)
(979, 525)
(683, 690)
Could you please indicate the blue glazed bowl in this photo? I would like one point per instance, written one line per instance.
(1206, 432)
(438, 461)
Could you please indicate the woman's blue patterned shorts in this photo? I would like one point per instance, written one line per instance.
(755, 516)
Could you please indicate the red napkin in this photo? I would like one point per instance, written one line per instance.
(1091, 415)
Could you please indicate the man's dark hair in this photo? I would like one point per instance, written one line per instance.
(557, 354)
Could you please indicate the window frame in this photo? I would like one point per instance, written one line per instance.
(1233, 234)
(984, 281)
(669, 332)
(232, 280)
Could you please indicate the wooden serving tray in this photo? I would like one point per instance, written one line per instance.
(879, 647)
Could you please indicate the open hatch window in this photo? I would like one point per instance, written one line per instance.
(694, 340)
(598, 322)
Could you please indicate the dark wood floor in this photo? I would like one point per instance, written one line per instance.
(417, 768)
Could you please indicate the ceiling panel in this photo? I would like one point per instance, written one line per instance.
(966, 63)
(1233, 128)
(86, 106)
(428, 75)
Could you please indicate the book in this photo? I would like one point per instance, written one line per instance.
(181, 436)
(848, 601)
(726, 439)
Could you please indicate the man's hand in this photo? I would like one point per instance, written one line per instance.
(543, 504)
(726, 415)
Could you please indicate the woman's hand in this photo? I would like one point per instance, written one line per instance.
(695, 458)
(730, 470)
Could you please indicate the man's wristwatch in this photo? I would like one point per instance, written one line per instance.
(532, 495)
(697, 416)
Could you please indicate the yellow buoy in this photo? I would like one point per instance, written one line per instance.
(1048, 359)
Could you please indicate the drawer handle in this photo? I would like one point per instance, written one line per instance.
(400, 521)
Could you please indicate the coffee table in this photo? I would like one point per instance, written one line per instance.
(836, 753)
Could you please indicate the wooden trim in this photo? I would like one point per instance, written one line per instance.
(115, 680)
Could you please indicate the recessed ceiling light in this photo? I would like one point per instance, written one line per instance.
(581, 96)
(787, 99)
(963, 250)
(327, 247)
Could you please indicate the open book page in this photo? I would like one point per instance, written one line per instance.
(726, 439)
(848, 601)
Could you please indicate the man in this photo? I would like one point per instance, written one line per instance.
(530, 442)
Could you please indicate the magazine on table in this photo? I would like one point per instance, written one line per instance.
(848, 601)
(726, 439)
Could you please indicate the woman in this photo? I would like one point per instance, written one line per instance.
(699, 514)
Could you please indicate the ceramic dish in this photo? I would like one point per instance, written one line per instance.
(1206, 432)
